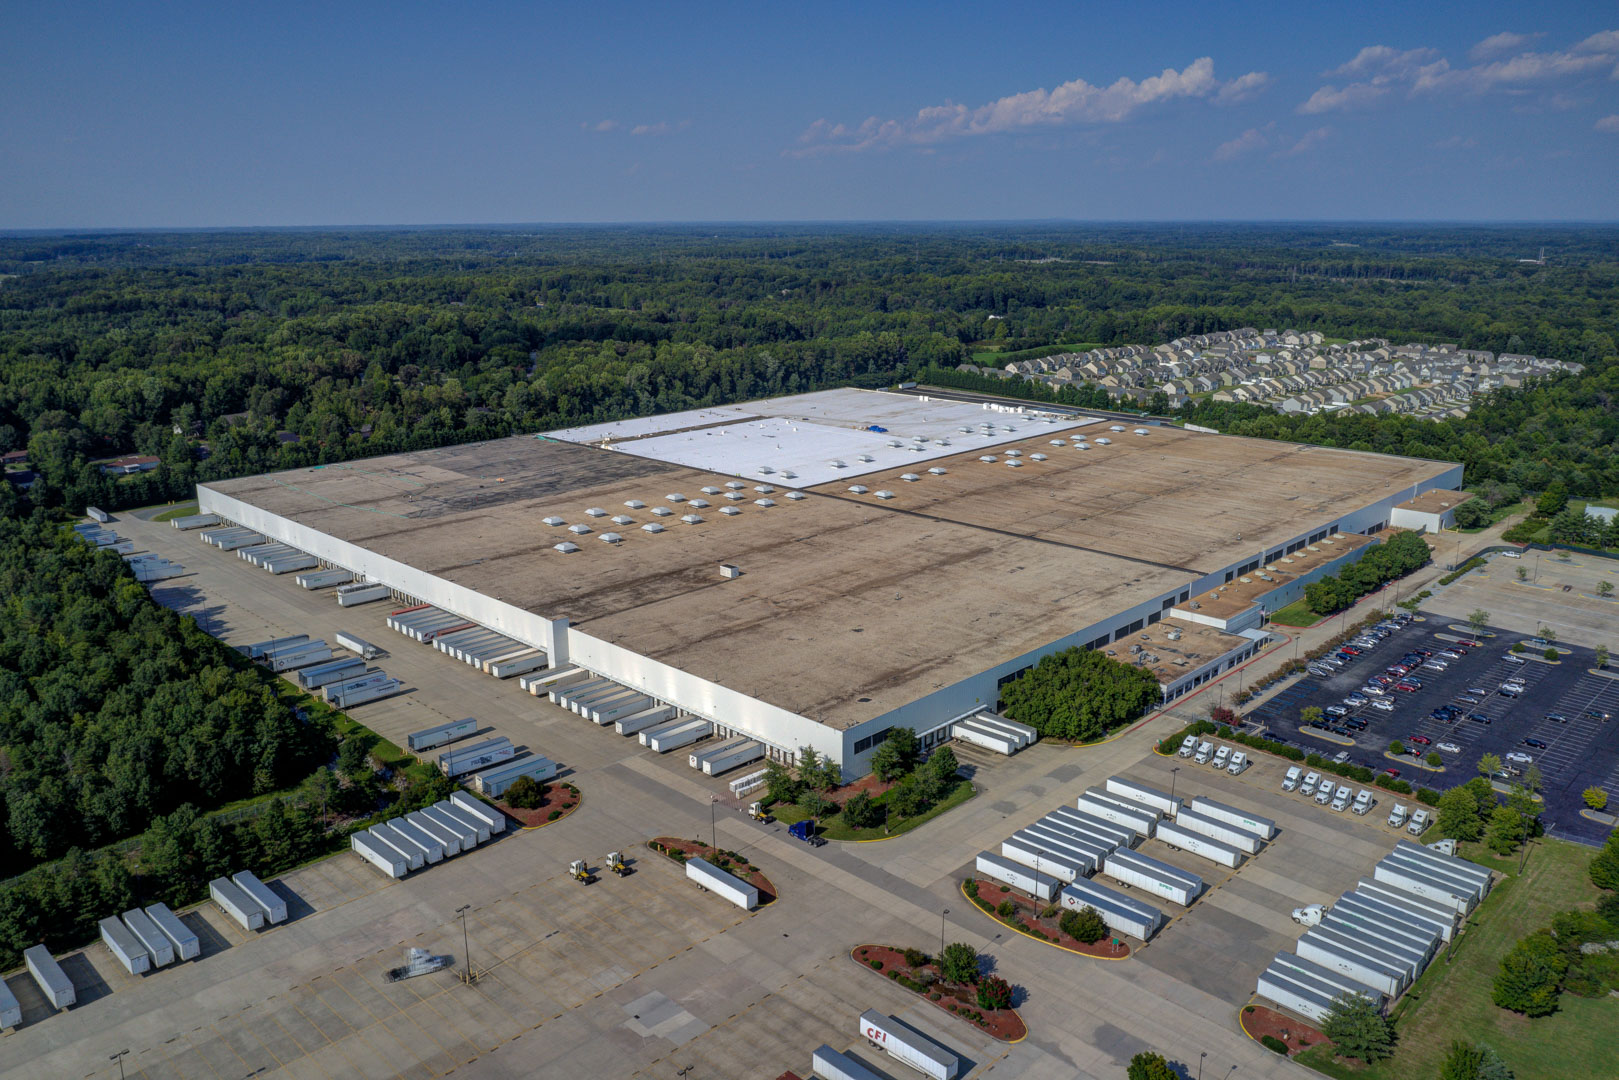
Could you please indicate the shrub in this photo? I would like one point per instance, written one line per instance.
(877, 964)
(1550, 653)
(1149, 1066)
(1084, 926)
(1006, 909)
(553, 815)
(959, 963)
(935, 997)
(1433, 759)
(915, 958)
(861, 813)
(1315, 761)
(893, 973)
(1517, 646)
(1428, 796)
(971, 889)
(1271, 1042)
(994, 993)
(1396, 747)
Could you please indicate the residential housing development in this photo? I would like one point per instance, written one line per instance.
(816, 570)
(1291, 371)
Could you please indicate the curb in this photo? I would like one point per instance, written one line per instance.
(935, 1004)
(1415, 763)
(1043, 941)
(565, 816)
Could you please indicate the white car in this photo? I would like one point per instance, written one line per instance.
(1384, 704)
(1520, 757)
(1449, 748)
(1511, 555)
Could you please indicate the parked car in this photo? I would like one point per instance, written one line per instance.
(1338, 729)
(1336, 710)
(1340, 757)
(1407, 688)
(1510, 690)
(1478, 691)
(1355, 723)
(1449, 748)
(1520, 757)
(1350, 649)
(1472, 644)
(1479, 718)
(1538, 744)
(1355, 700)
(1469, 699)
(1538, 643)
(1373, 690)
(1421, 740)
(1511, 555)
(1384, 704)
(1436, 665)
(1392, 774)
(1509, 658)
(1557, 718)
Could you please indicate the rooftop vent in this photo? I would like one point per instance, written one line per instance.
(1014, 463)
(730, 511)
(909, 477)
(836, 464)
(711, 490)
(692, 519)
(698, 503)
(1194, 605)
(730, 571)
(990, 458)
(735, 485)
(1141, 431)
(884, 494)
(635, 504)
(1246, 580)
(675, 496)
(579, 530)
(596, 511)
(1104, 442)
(1287, 559)
(895, 443)
(1014, 453)
(867, 458)
(1115, 427)
(965, 430)
(764, 502)
(795, 495)
(938, 470)
(765, 489)
(1329, 540)
(623, 519)
(1059, 442)
(1266, 577)
(554, 520)
(611, 538)
(567, 547)
(662, 511)
(1082, 445)
(1037, 457)
(735, 496)
(919, 438)
(941, 442)
(766, 470)
(788, 474)
(1312, 547)
(652, 527)
(859, 489)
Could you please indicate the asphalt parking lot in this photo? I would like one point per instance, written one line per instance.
(1579, 753)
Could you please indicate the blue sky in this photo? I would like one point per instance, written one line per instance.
(225, 114)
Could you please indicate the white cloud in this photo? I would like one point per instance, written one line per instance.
(1353, 96)
(662, 127)
(1309, 141)
(1609, 124)
(1076, 102)
(1249, 141)
(1603, 41)
(1383, 61)
(600, 125)
(1243, 88)
(1500, 44)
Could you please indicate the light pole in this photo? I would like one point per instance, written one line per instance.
(119, 1058)
(713, 829)
(1172, 773)
(1200, 1058)
(942, 914)
(466, 948)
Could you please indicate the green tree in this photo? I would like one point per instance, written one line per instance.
(1504, 831)
(1604, 869)
(816, 805)
(1147, 1065)
(907, 798)
(1492, 1067)
(861, 813)
(1433, 759)
(959, 963)
(1396, 747)
(1359, 1028)
(780, 785)
(1080, 695)
(994, 993)
(1311, 714)
(942, 764)
(1531, 976)
(1472, 514)
(1478, 620)
(1596, 798)
(1552, 501)
(897, 755)
(1523, 573)
(1489, 765)
(1602, 656)
(1604, 589)
(1462, 1062)
(1084, 925)
(525, 793)
(1458, 816)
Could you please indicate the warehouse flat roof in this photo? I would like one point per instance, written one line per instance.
(1435, 502)
(1171, 658)
(1237, 596)
(848, 606)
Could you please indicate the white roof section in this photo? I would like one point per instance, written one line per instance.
(803, 435)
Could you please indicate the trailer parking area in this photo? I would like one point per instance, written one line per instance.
(1581, 749)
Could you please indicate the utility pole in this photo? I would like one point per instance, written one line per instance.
(119, 1058)
(466, 948)
(713, 829)
(1172, 773)
(942, 914)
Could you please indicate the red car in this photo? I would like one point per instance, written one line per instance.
(1398, 669)
(1391, 773)
(1350, 649)
(1405, 688)
(1471, 644)
(1382, 680)
(1422, 739)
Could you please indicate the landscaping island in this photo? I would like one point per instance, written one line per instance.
(919, 973)
(730, 861)
(1041, 921)
(553, 803)
(1280, 1032)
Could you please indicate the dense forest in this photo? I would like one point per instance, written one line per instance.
(214, 350)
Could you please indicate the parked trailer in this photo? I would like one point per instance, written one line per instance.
(1130, 791)
(1158, 878)
(482, 828)
(1430, 928)
(49, 976)
(610, 712)
(236, 903)
(1310, 998)
(258, 551)
(555, 679)
(1131, 815)
(302, 658)
(1396, 959)
(10, 1008)
(1264, 828)
(630, 725)
(1296, 966)
(717, 881)
(1122, 835)
(676, 734)
(427, 738)
(477, 808)
(1377, 924)
(1180, 836)
(969, 731)
(458, 762)
(904, 1043)
(427, 637)
(1045, 859)
(371, 677)
(999, 868)
(313, 678)
(360, 695)
(357, 645)
(827, 1064)
(1122, 914)
(362, 593)
(378, 854)
(1415, 879)
(260, 649)
(235, 543)
(414, 856)
(1092, 849)
(520, 664)
(290, 563)
(478, 655)
(565, 696)
(99, 514)
(735, 758)
(431, 847)
(1023, 733)
(124, 947)
(1219, 831)
(1450, 863)
(1420, 906)
(1377, 933)
(1445, 870)
(158, 947)
(324, 579)
(275, 908)
(603, 690)
(449, 838)
(696, 758)
(185, 942)
(1375, 976)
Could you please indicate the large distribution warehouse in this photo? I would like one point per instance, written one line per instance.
(815, 570)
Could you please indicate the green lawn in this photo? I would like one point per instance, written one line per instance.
(1296, 614)
(185, 510)
(834, 828)
(990, 356)
(1452, 1000)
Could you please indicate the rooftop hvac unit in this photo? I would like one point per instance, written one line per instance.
(1115, 427)
(867, 458)
(692, 519)
(730, 511)
(764, 502)
(652, 527)
(765, 489)
(662, 511)
(1287, 559)
(1266, 577)
(941, 442)
(611, 538)
(989, 459)
(596, 511)
(1141, 431)
(1173, 635)
(735, 485)
(859, 489)
(1037, 457)
(675, 496)
(916, 449)
(1312, 547)
(635, 504)
(965, 430)
(735, 496)
(1194, 605)
(730, 571)
(623, 519)
(711, 490)
(885, 494)
(788, 474)
(1059, 442)
(765, 470)
(836, 464)
(919, 438)
(938, 470)
(579, 530)
(698, 503)
(553, 520)
(895, 443)
(567, 546)
(1015, 464)
(1104, 442)
(909, 477)
(795, 495)
(1014, 453)
(1246, 580)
